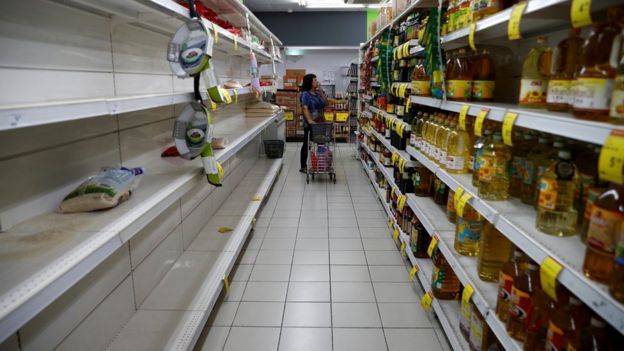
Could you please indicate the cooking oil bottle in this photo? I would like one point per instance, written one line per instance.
(458, 154)
(422, 179)
(594, 83)
(451, 213)
(421, 82)
(591, 194)
(484, 77)
(478, 150)
(534, 80)
(556, 214)
(542, 307)
(465, 315)
(459, 78)
(535, 156)
(508, 272)
(586, 162)
(525, 284)
(494, 249)
(565, 61)
(578, 316)
(468, 231)
(478, 330)
(519, 155)
(616, 286)
(605, 222)
(419, 239)
(616, 111)
(442, 140)
(494, 170)
(444, 282)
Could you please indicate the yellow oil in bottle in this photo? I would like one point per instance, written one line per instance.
(525, 284)
(537, 153)
(544, 163)
(508, 272)
(444, 282)
(478, 146)
(556, 214)
(442, 140)
(468, 231)
(451, 213)
(494, 249)
(519, 155)
(494, 170)
(534, 80)
(432, 126)
(565, 61)
(616, 286)
(458, 154)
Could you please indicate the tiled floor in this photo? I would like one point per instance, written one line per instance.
(320, 272)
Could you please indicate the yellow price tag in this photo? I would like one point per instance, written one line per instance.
(399, 52)
(513, 27)
(289, 115)
(395, 234)
(432, 245)
(226, 284)
(394, 159)
(257, 198)
(463, 112)
(401, 129)
(402, 249)
(471, 36)
(253, 222)
(224, 230)
(220, 170)
(401, 202)
(580, 13)
(213, 105)
(216, 33)
(407, 105)
(611, 161)
(394, 53)
(467, 293)
(508, 121)
(412, 273)
(406, 50)
(461, 204)
(390, 223)
(402, 163)
(478, 127)
(235, 96)
(458, 194)
(342, 116)
(236, 42)
(549, 270)
(394, 191)
(426, 301)
(402, 88)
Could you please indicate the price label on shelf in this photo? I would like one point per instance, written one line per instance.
(580, 13)
(478, 128)
(390, 223)
(395, 157)
(216, 33)
(401, 165)
(458, 194)
(395, 234)
(402, 89)
(406, 50)
(513, 26)
(467, 293)
(463, 112)
(235, 42)
(226, 284)
(432, 245)
(393, 191)
(471, 36)
(611, 161)
(289, 115)
(402, 249)
(461, 204)
(401, 202)
(412, 273)
(394, 53)
(399, 52)
(508, 121)
(426, 301)
(549, 271)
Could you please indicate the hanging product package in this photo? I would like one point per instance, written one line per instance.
(107, 189)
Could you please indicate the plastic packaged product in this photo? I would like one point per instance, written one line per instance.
(565, 61)
(444, 282)
(525, 284)
(542, 307)
(109, 187)
(508, 273)
(468, 231)
(494, 249)
(484, 77)
(535, 75)
(616, 286)
(494, 164)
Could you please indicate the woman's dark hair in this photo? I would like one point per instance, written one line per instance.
(307, 82)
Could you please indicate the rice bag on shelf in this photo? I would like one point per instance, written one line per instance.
(107, 189)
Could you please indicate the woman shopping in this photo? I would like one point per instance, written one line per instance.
(313, 101)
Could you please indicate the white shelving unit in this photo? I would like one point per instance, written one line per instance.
(389, 115)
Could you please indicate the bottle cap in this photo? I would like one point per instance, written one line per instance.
(564, 154)
(532, 266)
(595, 322)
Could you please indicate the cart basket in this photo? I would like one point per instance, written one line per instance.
(322, 132)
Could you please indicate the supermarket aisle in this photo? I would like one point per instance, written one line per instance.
(321, 272)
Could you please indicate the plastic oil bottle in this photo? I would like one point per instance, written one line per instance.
(544, 164)
(421, 81)
(519, 153)
(484, 77)
(556, 214)
(444, 282)
(442, 140)
(508, 273)
(451, 213)
(525, 284)
(565, 61)
(422, 179)
(420, 239)
(478, 146)
(578, 318)
(420, 131)
(561, 322)
(465, 316)
(494, 170)
(586, 162)
(534, 80)
(596, 337)
(538, 153)
(468, 231)
(616, 111)
(594, 83)
(495, 250)
(590, 195)
(458, 154)
(616, 286)
(459, 78)
(542, 307)
(604, 224)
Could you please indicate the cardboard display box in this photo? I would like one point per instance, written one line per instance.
(296, 72)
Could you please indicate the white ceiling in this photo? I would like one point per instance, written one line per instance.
(293, 5)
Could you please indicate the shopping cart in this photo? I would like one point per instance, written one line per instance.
(321, 151)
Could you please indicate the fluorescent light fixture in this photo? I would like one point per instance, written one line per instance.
(302, 3)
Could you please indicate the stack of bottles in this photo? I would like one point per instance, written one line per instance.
(461, 13)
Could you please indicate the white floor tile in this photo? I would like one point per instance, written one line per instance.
(347, 232)
(350, 274)
(355, 315)
(339, 206)
(223, 314)
(275, 257)
(339, 199)
(367, 232)
(281, 232)
(265, 291)
(365, 222)
(359, 339)
(308, 292)
(352, 292)
(284, 222)
(309, 232)
(286, 214)
(214, 339)
(384, 258)
(396, 274)
(306, 339)
(278, 244)
(257, 339)
(236, 291)
(248, 257)
(382, 244)
(309, 273)
(343, 222)
(312, 222)
(260, 314)
(270, 273)
(304, 314)
(406, 339)
(311, 257)
(397, 292)
(345, 244)
(403, 315)
(312, 244)
(347, 257)
(241, 272)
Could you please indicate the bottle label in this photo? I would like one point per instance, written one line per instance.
(483, 89)
(533, 91)
(455, 162)
(412, 139)
(558, 91)
(450, 203)
(555, 340)
(442, 157)
(520, 304)
(529, 172)
(486, 168)
(517, 167)
(619, 249)
(580, 196)
(547, 194)
(505, 283)
(592, 195)
(603, 227)
(416, 179)
(617, 99)
(437, 278)
(456, 89)
(476, 333)
(593, 93)
(471, 161)
(421, 87)
(468, 232)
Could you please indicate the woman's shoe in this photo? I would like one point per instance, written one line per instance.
(303, 170)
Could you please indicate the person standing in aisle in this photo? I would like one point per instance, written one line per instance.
(313, 101)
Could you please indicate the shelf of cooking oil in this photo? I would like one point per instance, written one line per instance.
(435, 222)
